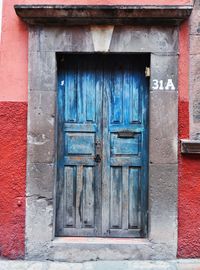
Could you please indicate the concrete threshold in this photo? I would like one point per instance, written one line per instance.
(102, 265)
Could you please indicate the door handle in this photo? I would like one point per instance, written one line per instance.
(97, 158)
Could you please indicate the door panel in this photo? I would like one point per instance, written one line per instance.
(102, 146)
(80, 129)
(124, 132)
(134, 190)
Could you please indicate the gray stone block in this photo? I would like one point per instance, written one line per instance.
(195, 88)
(54, 39)
(87, 251)
(41, 127)
(195, 22)
(196, 4)
(164, 67)
(82, 39)
(188, 266)
(194, 71)
(39, 224)
(144, 39)
(195, 131)
(163, 203)
(196, 109)
(194, 44)
(185, 264)
(66, 39)
(42, 71)
(40, 178)
(163, 127)
(33, 44)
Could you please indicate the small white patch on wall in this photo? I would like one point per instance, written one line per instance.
(102, 36)
(1, 14)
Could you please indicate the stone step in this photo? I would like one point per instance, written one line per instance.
(102, 265)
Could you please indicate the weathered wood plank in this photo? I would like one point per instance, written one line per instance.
(70, 196)
(80, 143)
(79, 197)
(106, 155)
(126, 161)
(81, 91)
(137, 128)
(126, 92)
(135, 233)
(77, 160)
(60, 154)
(91, 81)
(80, 128)
(134, 197)
(71, 93)
(116, 198)
(125, 202)
(135, 113)
(88, 197)
(124, 146)
(116, 86)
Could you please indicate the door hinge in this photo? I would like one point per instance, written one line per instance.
(147, 72)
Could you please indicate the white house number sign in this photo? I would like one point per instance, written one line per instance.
(163, 85)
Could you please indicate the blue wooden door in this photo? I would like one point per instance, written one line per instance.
(102, 146)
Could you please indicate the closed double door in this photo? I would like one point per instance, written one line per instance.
(102, 146)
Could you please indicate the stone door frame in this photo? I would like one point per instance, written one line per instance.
(44, 43)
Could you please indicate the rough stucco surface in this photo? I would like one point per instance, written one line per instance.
(189, 194)
(189, 165)
(12, 178)
(189, 207)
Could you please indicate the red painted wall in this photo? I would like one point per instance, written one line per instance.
(13, 111)
(12, 178)
(189, 165)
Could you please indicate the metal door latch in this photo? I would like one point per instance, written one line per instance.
(97, 158)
